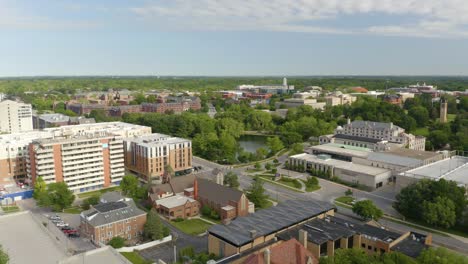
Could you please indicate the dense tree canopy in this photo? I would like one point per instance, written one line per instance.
(438, 203)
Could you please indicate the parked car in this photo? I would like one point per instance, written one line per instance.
(61, 224)
(74, 235)
(54, 217)
(71, 231)
(66, 228)
(55, 221)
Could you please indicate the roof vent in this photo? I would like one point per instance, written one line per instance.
(253, 233)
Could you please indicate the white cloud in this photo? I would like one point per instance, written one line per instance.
(13, 17)
(433, 18)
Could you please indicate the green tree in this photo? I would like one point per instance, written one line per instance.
(231, 126)
(59, 196)
(274, 144)
(256, 193)
(257, 165)
(267, 166)
(4, 258)
(440, 255)
(206, 210)
(129, 185)
(93, 200)
(441, 212)
(40, 189)
(296, 148)
(420, 114)
(312, 181)
(231, 179)
(349, 192)
(116, 242)
(261, 153)
(367, 210)
(154, 228)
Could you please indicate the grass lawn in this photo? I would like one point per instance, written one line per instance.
(345, 199)
(284, 184)
(254, 170)
(73, 210)
(135, 258)
(312, 188)
(192, 226)
(98, 192)
(422, 131)
(10, 209)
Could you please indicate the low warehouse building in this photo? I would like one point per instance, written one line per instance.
(351, 172)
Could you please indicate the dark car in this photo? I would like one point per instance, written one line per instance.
(74, 235)
(71, 231)
(66, 228)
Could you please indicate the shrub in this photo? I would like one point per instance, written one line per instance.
(312, 181)
(178, 219)
(206, 210)
(117, 242)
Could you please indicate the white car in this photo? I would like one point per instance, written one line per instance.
(54, 217)
(61, 224)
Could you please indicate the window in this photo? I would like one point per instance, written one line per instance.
(369, 247)
(363, 245)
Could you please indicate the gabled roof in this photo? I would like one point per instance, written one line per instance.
(288, 252)
(217, 193)
(106, 213)
(177, 184)
(356, 138)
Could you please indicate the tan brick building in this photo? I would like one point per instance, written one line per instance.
(114, 218)
(149, 155)
(177, 206)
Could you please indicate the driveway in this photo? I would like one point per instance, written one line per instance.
(165, 251)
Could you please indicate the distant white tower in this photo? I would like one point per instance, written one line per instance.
(285, 82)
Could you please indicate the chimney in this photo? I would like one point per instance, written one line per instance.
(195, 189)
(303, 237)
(253, 233)
(267, 256)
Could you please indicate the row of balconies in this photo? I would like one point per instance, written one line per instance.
(83, 166)
(81, 156)
(79, 151)
(87, 145)
(82, 161)
(79, 172)
(84, 176)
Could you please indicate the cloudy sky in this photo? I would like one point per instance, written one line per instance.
(233, 37)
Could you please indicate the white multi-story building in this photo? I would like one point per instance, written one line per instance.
(15, 117)
(374, 135)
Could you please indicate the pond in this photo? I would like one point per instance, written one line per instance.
(251, 143)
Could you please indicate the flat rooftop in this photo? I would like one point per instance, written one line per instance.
(174, 201)
(269, 220)
(341, 149)
(27, 241)
(53, 118)
(411, 153)
(340, 164)
(451, 169)
(157, 139)
(394, 159)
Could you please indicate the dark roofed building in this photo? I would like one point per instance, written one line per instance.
(114, 218)
(227, 202)
(244, 233)
(179, 184)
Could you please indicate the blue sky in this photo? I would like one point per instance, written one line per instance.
(233, 37)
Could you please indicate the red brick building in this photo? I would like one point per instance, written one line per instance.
(177, 206)
(114, 218)
(229, 203)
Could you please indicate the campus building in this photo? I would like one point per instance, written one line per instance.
(110, 219)
(13, 153)
(297, 102)
(250, 233)
(149, 155)
(86, 157)
(374, 135)
(15, 117)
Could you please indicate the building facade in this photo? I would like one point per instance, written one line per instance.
(150, 155)
(375, 132)
(15, 117)
(84, 162)
(117, 218)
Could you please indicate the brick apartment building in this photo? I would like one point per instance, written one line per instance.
(85, 162)
(175, 104)
(149, 155)
(113, 218)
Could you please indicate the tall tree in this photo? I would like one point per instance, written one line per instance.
(367, 210)
(441, 212)
(154, 228)
(274, 144)
(232, 180)
(256, 193)
(129, 185)
(40, 188)
(60, 197)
